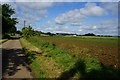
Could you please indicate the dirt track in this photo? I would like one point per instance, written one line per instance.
(13, 59)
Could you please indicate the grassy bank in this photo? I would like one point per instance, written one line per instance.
(55, 62)
(30, 52)
(3, 40)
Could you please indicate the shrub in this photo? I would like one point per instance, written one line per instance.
(5, 36)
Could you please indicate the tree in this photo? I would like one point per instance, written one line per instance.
(8, 23)
(50, 34)
(27, 32)
(89, 34)
(19, 32)
(37, 33)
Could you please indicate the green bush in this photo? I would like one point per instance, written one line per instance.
(5, 36)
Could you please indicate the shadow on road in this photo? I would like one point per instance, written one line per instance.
(12, 59)
(13, 38)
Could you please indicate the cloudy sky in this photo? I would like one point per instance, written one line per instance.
(68, 17)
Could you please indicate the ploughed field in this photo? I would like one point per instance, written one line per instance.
(104, 49)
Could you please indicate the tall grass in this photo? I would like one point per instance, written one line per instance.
(3, 40)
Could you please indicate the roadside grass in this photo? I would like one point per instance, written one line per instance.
(49, 66)
(3, 40)
(28, 46)
(42, 66)
(30, 52)
(36, 67)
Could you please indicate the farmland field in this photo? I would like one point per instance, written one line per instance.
(105, 49)
(65, 55)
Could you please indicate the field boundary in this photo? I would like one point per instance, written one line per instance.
(3, 40)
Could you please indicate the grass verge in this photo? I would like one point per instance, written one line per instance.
(30, 52)
(3, 40)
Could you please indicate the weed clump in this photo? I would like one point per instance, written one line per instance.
(30, 55)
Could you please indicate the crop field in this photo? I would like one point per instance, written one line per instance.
(75, 57)
(106, 50)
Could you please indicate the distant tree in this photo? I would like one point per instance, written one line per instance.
(89, 34)
(37, 33)
(8, 23)
(19, 32)
(50, 34)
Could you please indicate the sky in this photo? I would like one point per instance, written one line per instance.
(97, 17)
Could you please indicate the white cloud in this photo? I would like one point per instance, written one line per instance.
(5, 0)
(109, 0)
(77, 16)
(35, 5)
(60, 0)
(108, 27)
(31, 12)
(50, 27)
(92, 10)
(111, 6)
(73, 17)
(104, 27)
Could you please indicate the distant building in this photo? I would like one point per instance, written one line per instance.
(43, 35)
(74, 35)
(66, 34)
